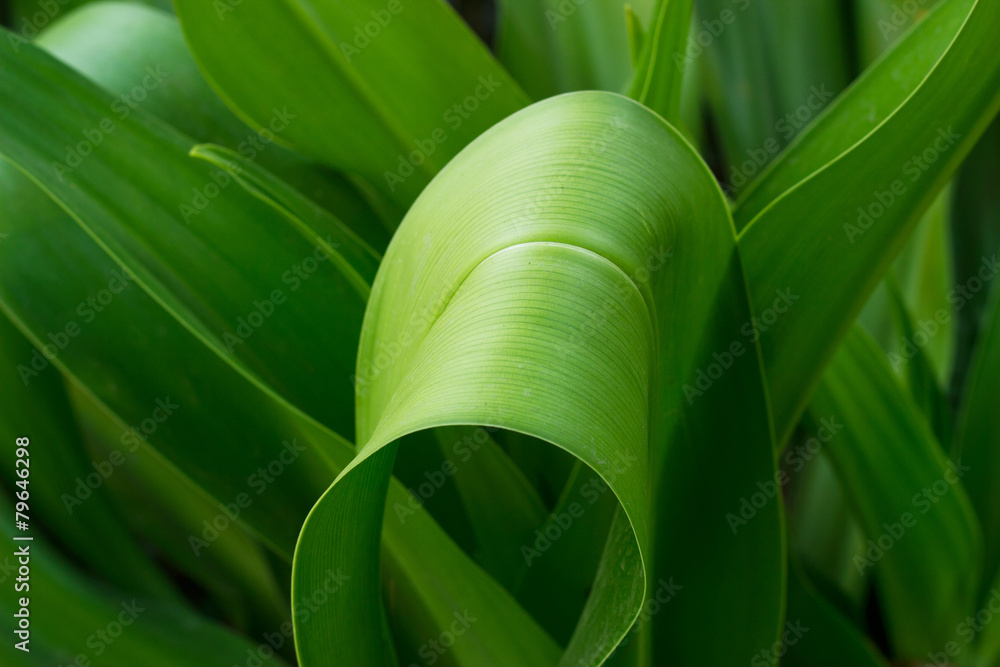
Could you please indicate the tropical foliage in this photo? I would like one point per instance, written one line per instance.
(555, 332)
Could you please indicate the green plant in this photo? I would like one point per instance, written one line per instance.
(584, 407)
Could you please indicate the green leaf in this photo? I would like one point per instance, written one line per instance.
(500, 530)
(503, 528)
(739, 88)
(554, 47)
(975, 236)
(224, 399)
(170, 512)
(810, 51)
(219, 400)
(388, 93)
(248, 304)
(824, 535)
(659, 76)
(90, 526)
(73, 616)
(923, 539)
(119, 45)
(574, 376)
(636, 34)
(541, 310)
(926, 277)
(24, 17)
(820, 636)
(326, 534)
(797, 245)
(354, 258)
(557, 576)
(880, 23)
(870, 107)
(911, 362)
(768, 67)
(977, 436)
(913, 312)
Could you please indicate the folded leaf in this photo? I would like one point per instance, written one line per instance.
(545, 305)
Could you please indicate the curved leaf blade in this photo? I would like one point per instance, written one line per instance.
(607, 192)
